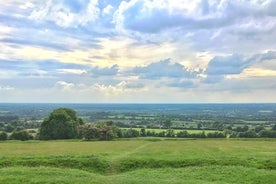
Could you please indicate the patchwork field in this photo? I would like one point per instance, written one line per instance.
(139, 161)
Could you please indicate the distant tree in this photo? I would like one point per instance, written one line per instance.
(245, 128)
(202, 134)
(161, 134)
(3, 136)
(2, 124)
(9, 118)
(182, 134)
(274, 127)
(267, 133)
(8, 128)
(217, 125)
(22, 135)
(130, 133)
(18, 128)
(62, 123)
(216, 135)
(233, 134)
(119, 133)
(143, 132)
(248, 134)
(229, 127)
(150, 133)
(167, 123)
(199, 126)
(242, 129)
(170, 133)
(259, 128)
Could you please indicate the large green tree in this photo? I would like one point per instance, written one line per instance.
(62, 123)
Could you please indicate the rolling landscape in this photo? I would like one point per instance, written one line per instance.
(144, 147)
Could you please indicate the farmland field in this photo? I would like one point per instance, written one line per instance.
(150, 160)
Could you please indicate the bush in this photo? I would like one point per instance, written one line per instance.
(128, 133)
(183, 134)
(248, 134)
(216, 135)
(89, 131)
(3, 136)
(267, 133)
(22, 135)
(62, 123)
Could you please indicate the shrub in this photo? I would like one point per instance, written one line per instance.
(216, 135)
(248, 134)
(22, 135)
(89, 131)
(183, 134)
(268, 133)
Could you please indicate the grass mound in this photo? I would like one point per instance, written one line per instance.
(81, 162)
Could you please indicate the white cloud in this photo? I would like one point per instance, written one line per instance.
(108, 9)
(164, 68)
(72, 71)
(120, 89)
(64, 85)
(205, 25)
(157, 15)
(67, 13)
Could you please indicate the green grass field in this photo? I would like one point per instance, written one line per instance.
(150, 160)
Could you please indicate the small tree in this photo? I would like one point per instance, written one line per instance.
(170, 133)
(143, 132)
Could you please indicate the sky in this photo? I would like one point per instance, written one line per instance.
(138, 51)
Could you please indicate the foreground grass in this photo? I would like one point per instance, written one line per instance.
(138, 160)
(192, 175)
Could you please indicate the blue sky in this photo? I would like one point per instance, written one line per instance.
(138, 51)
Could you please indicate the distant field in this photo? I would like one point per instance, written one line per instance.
(156, 130)
(148, 160)
(256, 122)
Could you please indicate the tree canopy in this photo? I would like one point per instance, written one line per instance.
(62, 123)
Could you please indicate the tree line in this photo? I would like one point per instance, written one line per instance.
(63, 123)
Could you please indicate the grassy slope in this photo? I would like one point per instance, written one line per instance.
(137, 161)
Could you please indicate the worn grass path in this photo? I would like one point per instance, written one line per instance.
(115, 160)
